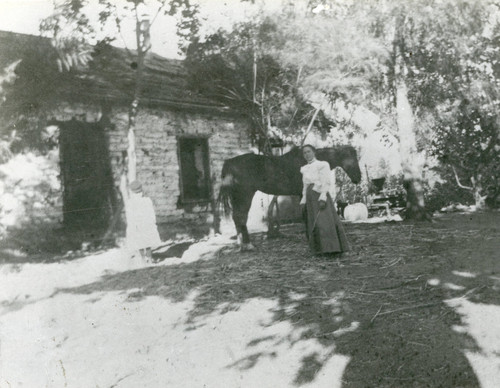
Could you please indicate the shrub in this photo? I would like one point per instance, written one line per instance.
(444, 194)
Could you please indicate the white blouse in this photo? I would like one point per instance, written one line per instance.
(316, 173)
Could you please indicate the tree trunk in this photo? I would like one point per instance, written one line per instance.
(411, 161)
(129, 172)
(131, 155)
(479, 199)
(477, 189)
(143, 45)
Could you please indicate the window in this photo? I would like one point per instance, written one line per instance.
(195, 172)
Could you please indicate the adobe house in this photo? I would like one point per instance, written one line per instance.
(182, 139)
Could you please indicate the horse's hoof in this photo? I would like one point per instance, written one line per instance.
(247, 247)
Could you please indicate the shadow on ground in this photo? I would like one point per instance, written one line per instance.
(49, 243)
(405, 336)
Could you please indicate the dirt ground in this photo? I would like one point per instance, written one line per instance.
(384, 306)
(394, 283)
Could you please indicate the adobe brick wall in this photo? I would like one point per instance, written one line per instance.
(157, 154)
(156, 134)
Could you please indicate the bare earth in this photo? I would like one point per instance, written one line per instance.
(396, 312)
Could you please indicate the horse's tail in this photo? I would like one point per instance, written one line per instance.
(226, 189)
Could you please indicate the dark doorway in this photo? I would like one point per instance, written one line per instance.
(88, 190)
(195, 171)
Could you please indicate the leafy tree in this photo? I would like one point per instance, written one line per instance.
(354, 52)
(467, 143)
(409, 62)
(333, 54)
(455, 59)
(238, 68)
(433, 60)
(30, 91)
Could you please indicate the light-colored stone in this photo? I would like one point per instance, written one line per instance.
(157, 133)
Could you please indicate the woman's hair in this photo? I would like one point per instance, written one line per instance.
(136, 187)
(309, 146)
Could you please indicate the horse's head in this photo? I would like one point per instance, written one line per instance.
(342, 156)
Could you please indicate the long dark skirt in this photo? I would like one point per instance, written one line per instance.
(324, 229)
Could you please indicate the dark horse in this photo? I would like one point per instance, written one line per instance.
(243, 175)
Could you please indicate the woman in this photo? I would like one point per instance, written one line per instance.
(323, 227)
(142, 233)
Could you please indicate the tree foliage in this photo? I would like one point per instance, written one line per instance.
(347, 52)
(334, 54)
(79, 32)
(457, 62)
(30, 92)
(450, 63)
(281, 65)
(467, 144)
(277, 67)
(73, 27)
(238, 68)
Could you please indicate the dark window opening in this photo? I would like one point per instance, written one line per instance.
(194, 167)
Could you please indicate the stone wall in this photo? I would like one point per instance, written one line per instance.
(156, 133)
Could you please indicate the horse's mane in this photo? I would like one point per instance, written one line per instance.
(292, 152)
(296, 148)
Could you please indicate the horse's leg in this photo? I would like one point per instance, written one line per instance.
(242, 200)
(273, 228)
(238, 230)
(246, 244)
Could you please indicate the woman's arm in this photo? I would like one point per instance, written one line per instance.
(151, 210)
(324, 176)
(124, 190)
(304, 192)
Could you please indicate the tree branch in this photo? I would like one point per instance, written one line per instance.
(157, 12)
(458, 181)
(293, 116)
(310, 126)
(255, 72)
(119, 27)
(137, 31)
(298, 76)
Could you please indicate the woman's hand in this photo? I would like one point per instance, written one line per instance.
(322, 205)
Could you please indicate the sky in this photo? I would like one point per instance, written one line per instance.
(24, 16)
